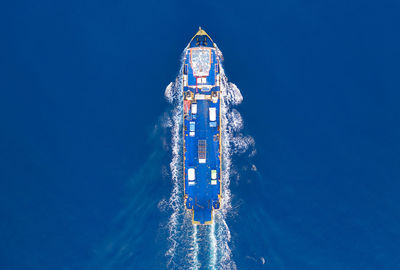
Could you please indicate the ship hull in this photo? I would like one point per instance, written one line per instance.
(202, 168)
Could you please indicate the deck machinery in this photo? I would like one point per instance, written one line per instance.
(202, 128)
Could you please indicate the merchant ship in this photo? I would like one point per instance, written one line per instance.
(202, 128)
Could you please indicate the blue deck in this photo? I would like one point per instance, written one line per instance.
(202, 130)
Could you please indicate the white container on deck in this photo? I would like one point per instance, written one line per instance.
(192, 127)
(213, 174)
(191, 174)
(212, 114)
(194, 108)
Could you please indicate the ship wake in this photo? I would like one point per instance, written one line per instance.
(192, 246)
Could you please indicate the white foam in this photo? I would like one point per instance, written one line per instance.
(175, 201)
(213, 247)
(195, 256)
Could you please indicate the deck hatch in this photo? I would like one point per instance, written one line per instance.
(202, 150)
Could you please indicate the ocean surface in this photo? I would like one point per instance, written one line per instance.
(86, 135)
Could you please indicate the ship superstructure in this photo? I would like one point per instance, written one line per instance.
(202, 128)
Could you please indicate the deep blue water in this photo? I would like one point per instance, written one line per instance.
(82, 90)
